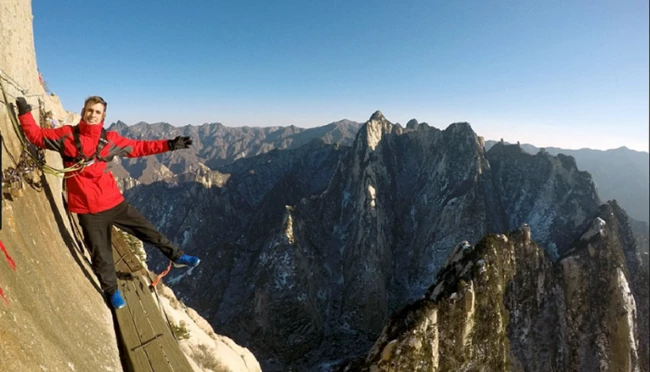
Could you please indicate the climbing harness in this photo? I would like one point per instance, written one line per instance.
(87, 160)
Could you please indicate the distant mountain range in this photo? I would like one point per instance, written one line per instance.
(620, 174)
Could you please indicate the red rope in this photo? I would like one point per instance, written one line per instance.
(11, 262)
(160, 276)
(3, 296)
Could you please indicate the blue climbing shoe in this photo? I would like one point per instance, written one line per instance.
(117, 300)
(187, 260)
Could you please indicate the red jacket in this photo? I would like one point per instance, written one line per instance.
(92, 189)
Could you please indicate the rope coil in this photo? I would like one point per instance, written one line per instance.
(36, 155)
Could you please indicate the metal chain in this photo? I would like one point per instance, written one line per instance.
(13, 177)
(12, 81)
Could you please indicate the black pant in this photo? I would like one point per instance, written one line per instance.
(97, 233)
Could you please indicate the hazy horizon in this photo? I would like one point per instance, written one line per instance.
(403, 124)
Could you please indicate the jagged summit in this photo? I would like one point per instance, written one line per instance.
(503, 148)
(377, 116)
(374, 129)
(412, 124)
(460, 127)
(118, 126)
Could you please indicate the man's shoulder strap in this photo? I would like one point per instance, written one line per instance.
(103, 141)
(100, 146)
(77, 144)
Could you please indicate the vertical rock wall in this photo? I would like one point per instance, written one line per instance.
(54, 317)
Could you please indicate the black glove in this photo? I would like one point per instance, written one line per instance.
(179, 143)
(23, 106)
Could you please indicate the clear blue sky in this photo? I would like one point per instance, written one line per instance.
(570, 74)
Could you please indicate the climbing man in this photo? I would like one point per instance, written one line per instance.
(92, 191)
(51, 119)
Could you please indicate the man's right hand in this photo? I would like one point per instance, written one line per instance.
(23, 106)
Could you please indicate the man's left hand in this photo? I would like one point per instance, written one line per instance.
(23, 106)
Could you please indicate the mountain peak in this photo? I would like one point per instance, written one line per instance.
(460, 127)
(118, 126)
(412, 124)
(377, 116)
(374, 129)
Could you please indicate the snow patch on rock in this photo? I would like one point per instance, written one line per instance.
(597, 228)
(205, 349)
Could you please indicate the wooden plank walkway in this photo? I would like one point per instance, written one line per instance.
(146, 337)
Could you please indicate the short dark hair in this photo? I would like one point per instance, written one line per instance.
(95, 99)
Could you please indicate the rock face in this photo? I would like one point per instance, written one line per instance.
(552, 194)
(340, 237)
(505, 305)
(51, 314)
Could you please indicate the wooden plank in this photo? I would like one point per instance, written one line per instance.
(137, 359)
(133, 317)
(122, 269)
(124, 252)
(151, 330)
(149, 337)
(171, 348)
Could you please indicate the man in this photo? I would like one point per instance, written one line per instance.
(51, 118)
(92, 191)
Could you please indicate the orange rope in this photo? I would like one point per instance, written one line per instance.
(160, 276)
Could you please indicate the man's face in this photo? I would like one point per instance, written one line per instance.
(93, 113)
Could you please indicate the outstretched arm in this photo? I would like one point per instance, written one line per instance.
(136, 148)
(51, 139)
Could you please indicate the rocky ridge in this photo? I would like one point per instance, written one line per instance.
(620, 174)
(506, 305)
